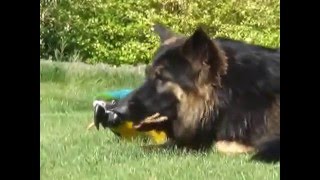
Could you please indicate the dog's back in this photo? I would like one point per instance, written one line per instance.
(250, 98)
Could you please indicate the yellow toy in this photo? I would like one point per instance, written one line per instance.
(123, 129)
(126, 131)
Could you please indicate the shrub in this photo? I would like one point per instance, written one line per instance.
(119, 31)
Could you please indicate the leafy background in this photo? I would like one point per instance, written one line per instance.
(119, 31)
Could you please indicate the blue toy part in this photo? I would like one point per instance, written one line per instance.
(115, 95)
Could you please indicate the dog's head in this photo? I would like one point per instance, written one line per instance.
(182, 67)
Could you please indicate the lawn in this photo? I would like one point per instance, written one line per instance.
(69, 151)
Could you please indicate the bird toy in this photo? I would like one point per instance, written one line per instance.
(114, 95)
(103, 105)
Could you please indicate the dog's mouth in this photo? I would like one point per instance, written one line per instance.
(152, 122)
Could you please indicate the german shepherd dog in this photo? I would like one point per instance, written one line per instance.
(222, 91)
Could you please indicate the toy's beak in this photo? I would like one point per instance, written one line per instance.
(99, 113)
(104, 115)
(96, 119)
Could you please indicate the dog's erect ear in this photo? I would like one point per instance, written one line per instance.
(205, 56)
(163, 32)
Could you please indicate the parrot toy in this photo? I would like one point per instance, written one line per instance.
(103, 105)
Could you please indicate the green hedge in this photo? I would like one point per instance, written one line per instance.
(119, 31)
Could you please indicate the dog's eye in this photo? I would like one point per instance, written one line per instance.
(161, 78)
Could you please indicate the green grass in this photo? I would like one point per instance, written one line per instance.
(68, 151)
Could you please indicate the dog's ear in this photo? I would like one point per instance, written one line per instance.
(205, 56)
(163, 32)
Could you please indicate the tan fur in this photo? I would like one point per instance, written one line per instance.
(170, 41)
(193, 109)
(192, 115)
(232, 147)
(172, 87)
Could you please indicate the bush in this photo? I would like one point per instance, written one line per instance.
(119, 31)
